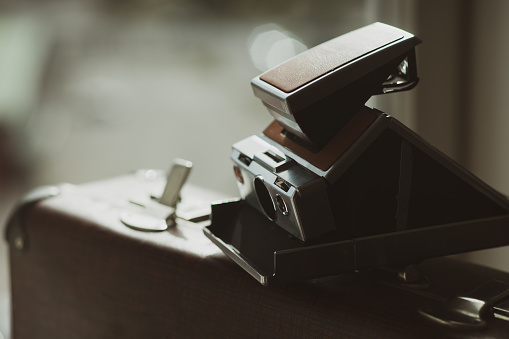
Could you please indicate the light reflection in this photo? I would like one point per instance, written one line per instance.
(271, 45)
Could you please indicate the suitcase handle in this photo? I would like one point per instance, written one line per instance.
(470, 310)
(15, 233)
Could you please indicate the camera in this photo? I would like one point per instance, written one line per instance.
(288, 172)
(332, 186)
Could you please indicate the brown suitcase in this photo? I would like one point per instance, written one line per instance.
(78, 272)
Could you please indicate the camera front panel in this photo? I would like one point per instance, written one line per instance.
(285, 192)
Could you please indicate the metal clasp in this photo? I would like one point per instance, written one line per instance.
(161, 213)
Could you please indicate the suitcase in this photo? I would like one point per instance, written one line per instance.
(77, 271)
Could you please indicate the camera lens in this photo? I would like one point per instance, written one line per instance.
(264, 198)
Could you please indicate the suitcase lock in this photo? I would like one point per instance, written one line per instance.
(161, 214)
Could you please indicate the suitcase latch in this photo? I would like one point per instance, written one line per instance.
(161, 214)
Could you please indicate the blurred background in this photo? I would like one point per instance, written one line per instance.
(94, 89)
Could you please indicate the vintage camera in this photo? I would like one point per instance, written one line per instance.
(287, 171)
(332, 186)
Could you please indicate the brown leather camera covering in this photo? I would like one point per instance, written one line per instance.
(328, 56)
(326, 157)
(86, 275)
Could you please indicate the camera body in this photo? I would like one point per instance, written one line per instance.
(288, 172)
(332, 186)
(279, 187)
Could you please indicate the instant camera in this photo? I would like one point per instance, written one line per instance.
(332, 186)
